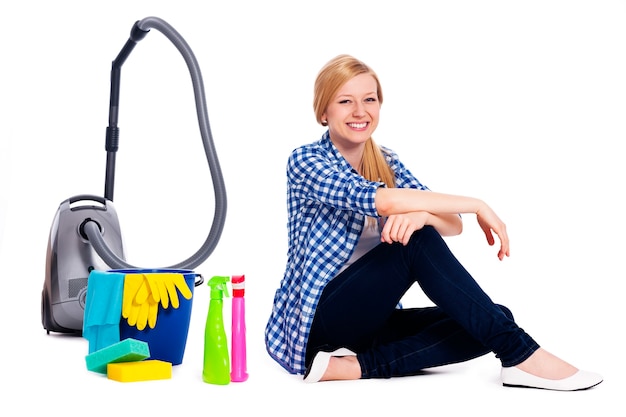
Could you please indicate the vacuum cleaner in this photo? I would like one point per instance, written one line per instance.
(85, 234)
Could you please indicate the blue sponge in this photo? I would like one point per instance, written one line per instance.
(128, 350)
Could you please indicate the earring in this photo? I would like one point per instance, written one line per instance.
(324, 123)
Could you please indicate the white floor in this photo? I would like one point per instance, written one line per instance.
(48, 371)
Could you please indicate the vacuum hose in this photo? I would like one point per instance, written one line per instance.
(91, 228)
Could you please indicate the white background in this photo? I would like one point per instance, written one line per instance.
(519, 103)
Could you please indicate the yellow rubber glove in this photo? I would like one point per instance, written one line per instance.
(151, 279)
(174, 282)
(163, 294)
(142, 318)
(132, 284)
(153, 310)
(169, 284)
(147, 299)
(140, 305)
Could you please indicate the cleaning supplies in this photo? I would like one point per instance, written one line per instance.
(238, 372)
(216, 368)
(164, 325)
(148, 370)
(103, 307)
(128, 350)
(144, 292)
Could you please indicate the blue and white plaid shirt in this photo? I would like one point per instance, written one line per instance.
(327, 201)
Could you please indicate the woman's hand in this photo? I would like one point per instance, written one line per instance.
(490, 223)
(400, 227)
(409, 210)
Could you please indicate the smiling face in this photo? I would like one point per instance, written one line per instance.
(352, 114)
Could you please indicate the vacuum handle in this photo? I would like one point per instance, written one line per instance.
(113, 131)
(87, 197)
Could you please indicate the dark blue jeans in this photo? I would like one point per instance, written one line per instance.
(358, 310)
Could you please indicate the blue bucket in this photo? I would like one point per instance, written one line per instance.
(168, 338)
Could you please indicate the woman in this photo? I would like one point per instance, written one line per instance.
(362, 231)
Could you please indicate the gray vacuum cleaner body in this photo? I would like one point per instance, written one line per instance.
(85, 233)
(70, 258)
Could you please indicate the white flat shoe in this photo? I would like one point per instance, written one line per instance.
(316, 370)
(581, 380)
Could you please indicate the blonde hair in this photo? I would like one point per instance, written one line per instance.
(331, 77)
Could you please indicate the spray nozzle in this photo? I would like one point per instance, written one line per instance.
(218, 286)
(238, 285)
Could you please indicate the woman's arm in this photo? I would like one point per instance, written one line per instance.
(391, 201)
(400, 227)
(400, 201)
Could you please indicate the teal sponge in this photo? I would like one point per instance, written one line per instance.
(128, 350)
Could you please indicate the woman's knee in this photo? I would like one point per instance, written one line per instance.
(506, 311)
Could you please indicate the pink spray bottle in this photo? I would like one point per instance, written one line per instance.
(238, 371)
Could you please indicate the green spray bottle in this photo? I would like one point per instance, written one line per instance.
(216, 358)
